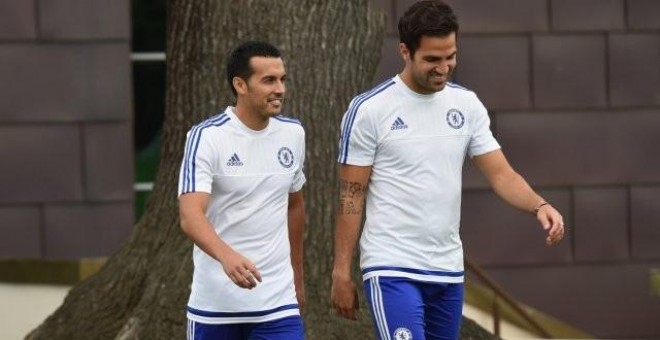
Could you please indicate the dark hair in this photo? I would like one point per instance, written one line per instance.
(238, 64)
(432, 18)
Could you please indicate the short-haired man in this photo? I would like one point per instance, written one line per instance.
(240, 202)
(402, 147)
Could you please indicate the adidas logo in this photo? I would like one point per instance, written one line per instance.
(234, 161)
(398, 124)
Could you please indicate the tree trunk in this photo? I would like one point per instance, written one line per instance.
(331, 50)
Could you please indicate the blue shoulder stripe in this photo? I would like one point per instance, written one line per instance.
(356, 99)
(288, 119)
(192, 144)
(456, 86)
(352, 113)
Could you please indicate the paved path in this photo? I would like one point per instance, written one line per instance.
(24, 306)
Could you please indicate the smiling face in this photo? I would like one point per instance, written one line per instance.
(262, 94)
(430, 67)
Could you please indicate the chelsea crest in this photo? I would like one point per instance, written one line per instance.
(455, 119)
(402, 333)
(285, 156)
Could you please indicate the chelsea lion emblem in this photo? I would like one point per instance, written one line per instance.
(402, 333)
(285, 156)
(455, 119)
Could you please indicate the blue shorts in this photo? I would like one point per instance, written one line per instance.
(405, 309)
(288, 328)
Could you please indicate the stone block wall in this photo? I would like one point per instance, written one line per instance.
(66, 140)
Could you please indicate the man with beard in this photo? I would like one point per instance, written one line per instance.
(240, 202)
(402, 148)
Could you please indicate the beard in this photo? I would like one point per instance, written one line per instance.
(432, 81)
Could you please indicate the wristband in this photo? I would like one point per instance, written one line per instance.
(538, 207)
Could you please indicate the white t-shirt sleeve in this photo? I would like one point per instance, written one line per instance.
(196, 174)
(358, 137)
(481, 140)
(299, 177)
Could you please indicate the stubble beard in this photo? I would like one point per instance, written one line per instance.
(272, 108)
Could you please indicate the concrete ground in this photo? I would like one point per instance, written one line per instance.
(24, 306)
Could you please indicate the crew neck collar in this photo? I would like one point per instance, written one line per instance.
(231, 112)
(408, 91)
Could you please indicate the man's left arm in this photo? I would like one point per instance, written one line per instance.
(296, 229)
(513, 189)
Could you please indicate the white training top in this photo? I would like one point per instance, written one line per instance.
(249, 175)
(416, 146)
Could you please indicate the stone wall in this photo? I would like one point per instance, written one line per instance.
(66, 139)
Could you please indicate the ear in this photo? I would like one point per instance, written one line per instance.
(405, 53)
(239, 85)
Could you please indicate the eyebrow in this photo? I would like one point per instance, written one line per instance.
(435, 57)
(272, 76)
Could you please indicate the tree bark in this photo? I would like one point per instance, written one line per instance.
(331, 49)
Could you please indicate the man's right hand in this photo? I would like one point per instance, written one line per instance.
(240, 270)
(344, 298)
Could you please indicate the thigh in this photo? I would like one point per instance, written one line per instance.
(397, 308)
(202, 331)
(288, 328)
(444, 309)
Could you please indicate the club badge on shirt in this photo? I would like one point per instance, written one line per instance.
(455, 119)
(285, 156)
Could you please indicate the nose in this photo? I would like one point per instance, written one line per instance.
(280, 87)
(443, 68)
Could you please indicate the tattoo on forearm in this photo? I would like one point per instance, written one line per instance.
(347, 207)
(351, 189)
(351, 196)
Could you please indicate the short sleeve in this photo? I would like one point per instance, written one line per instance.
(357, 144)
(481, 140)
(299, 177)
(196, 173)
